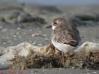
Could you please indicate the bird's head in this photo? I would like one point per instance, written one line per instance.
(58, 23)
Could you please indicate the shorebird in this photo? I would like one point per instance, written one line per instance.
(65, 35)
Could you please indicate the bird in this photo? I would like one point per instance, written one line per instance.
(65, 35)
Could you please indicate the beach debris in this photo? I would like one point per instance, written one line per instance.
(36, 34)
(27, 56)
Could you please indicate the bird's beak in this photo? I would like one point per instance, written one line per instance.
(48, 26)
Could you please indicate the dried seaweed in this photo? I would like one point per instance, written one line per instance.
(69, 60)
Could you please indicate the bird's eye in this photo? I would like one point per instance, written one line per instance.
(55, 23)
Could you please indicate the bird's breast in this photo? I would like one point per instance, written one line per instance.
(62, 47)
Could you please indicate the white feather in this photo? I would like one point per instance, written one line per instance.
(53, 27)
(63, 47)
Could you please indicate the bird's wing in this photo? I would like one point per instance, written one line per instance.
(71, 38)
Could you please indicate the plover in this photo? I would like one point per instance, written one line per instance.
(65, 35)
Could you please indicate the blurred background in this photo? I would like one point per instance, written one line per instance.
(55, 2)
(29, 20)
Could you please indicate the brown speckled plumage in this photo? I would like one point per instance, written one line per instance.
(65, 32)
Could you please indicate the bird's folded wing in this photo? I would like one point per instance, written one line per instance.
(69, 38)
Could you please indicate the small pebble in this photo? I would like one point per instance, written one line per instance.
(44, 35)
(14, 36)
(18, 28)
(34, 43)
(39, 44)
(4, 30)
(17, 33)
(36, 34)
(94, 72)
(4, 42)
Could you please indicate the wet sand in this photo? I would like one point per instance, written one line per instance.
(51, 71)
